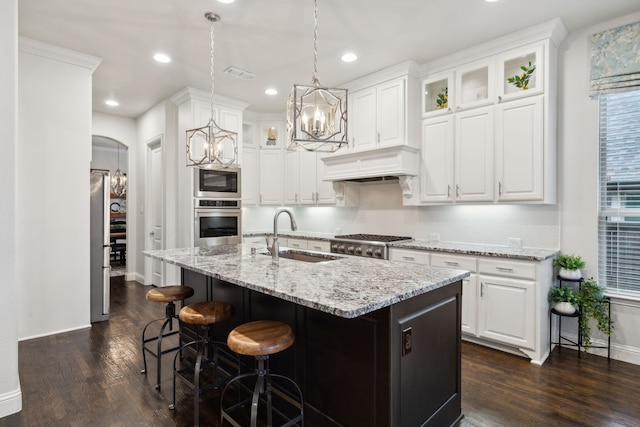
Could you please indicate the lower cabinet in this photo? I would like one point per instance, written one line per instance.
(506, 311)
(504, 301)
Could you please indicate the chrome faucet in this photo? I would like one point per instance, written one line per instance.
(275, 249)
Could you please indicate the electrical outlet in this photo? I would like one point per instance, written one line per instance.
(434, 237)
(514, 242)
(406, 341)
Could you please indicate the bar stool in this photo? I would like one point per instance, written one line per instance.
(202, 315)
(168, 294)
(261, 339)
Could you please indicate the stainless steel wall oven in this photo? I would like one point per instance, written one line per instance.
(217, 222)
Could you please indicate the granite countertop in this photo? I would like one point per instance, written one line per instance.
(531, 254)
(348, 287)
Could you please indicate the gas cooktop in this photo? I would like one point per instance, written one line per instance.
(367, 245)
(372, 238)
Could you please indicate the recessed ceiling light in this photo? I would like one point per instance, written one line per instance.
(161, 57)
(111, 102)
(349, 57)
(271, 91)
(226, 1)
(491, 1)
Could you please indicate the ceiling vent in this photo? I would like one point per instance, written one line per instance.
(240, 73)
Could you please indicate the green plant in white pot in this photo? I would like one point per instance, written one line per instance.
(563, 300)
(570, 266)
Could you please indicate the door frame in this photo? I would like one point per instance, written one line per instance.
(152, 144)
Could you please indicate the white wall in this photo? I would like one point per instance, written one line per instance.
(52, 210)
(10, 393)
(124, 130)
(381, 212)
(578, 173)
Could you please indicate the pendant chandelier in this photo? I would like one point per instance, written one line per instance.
(316, 116)
(210, 146)
(119, 180)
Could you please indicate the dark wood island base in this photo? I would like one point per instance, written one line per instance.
(396, 366)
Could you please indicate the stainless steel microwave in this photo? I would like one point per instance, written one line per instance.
(223, 183)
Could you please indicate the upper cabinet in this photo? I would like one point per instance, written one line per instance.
(437, 92)
(378, 115)
(521, 72)
(492, 136)
(474, 85)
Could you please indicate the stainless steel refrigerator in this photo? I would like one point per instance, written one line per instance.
(100, 245)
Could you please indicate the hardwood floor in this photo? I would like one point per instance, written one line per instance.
(92, 377)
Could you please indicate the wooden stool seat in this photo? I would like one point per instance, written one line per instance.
(169, 293)
(206, 312)
(261, 338)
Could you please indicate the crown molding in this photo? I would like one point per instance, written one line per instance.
(55, 53)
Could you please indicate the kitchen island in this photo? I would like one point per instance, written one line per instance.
(377, 342)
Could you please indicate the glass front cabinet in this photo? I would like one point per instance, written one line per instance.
(521, 73)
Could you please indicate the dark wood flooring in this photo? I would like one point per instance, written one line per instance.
(92, 377)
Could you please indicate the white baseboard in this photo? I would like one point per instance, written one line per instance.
(135, 277)
(10, 402)
(54, 333)
(624, 353)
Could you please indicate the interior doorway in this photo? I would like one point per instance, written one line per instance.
(111, 155)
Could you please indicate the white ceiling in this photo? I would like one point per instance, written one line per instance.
(274, 39)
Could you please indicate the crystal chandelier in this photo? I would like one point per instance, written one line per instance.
(210, 146)
(119, 180)
(316, 116)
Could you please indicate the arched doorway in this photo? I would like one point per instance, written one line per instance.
(109, 168)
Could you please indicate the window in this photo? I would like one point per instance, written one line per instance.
(619, 222)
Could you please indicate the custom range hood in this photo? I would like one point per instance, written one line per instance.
(380, 164)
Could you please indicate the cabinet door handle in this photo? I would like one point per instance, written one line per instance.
(506, 269)
(499, 188)
(457, 191)
(260, 198)
(408, 258)
(448, 191)
(317, 198)
(318, 248)
(378, 136)
(296, 198)
(452, 263)
(481, 289)
(499, 98)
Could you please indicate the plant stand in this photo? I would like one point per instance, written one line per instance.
(564, 341)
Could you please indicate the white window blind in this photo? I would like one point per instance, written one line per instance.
(619, 222)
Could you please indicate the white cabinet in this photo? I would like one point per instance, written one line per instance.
(504, 125)
(303, 183)
(437, 161)
(311, 244)
(520, 163)
(271, 177)
(521, 72)
(377, 115)
(474, 155)
(507, 303)
(250, 176)
(457, 157)
(475, 85)
(437, 91)
(469, 287)
(409, 255)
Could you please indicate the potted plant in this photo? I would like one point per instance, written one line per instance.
(570, 266)
(564, 300)
(593, 305)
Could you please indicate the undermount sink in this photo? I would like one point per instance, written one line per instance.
(306, 256)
